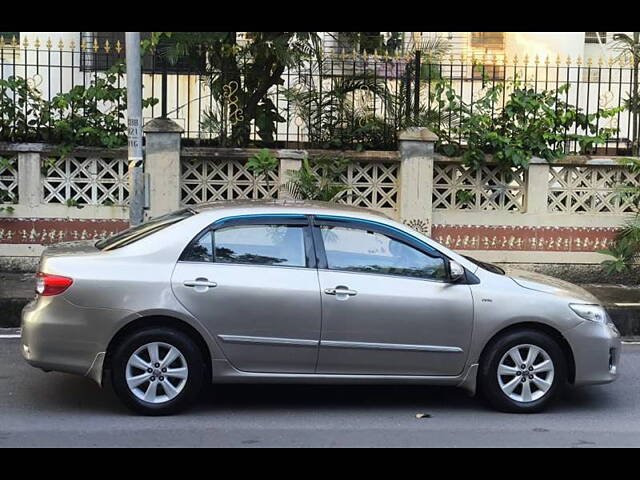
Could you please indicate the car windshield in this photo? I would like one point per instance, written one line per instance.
(485, 265)
(145, 229)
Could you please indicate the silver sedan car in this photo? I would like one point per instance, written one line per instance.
(306, 292)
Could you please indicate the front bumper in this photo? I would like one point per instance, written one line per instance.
(596, 351)
(60, 336)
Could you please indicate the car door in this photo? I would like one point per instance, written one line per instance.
(387, 305)
(252, 282)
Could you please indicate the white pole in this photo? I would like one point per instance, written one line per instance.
(134, 124)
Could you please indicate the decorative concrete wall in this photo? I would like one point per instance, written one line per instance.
(559, 213)
(52, 200)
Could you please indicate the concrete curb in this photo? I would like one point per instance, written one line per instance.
(10, 309)
(627, 319)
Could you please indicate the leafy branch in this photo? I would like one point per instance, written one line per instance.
(323, 183)
(263, 163)
(530, 124)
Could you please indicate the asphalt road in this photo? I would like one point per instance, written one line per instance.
(52, 409)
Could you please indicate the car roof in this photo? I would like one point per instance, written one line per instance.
(308, 206)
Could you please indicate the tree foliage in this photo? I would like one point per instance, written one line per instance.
(324, 184)
(247, 70)
(530, 124)
(91, 115)
(263, 163)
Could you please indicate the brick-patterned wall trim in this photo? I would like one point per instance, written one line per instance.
(522, 238)
(45, 231)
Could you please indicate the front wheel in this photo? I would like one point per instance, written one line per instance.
(522, 372)
(157, 371)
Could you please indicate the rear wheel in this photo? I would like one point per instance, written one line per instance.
(522, 372)
(157, 371)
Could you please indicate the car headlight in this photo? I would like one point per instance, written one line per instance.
(595, 313)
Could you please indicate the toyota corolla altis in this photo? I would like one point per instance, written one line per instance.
(306, 292)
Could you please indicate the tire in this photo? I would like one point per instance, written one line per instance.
(184, 374)
(540, 386)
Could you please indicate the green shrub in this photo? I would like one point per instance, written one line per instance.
(530, 124)
(91, 115)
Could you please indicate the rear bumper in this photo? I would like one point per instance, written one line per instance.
(60, 336)
(596, 351)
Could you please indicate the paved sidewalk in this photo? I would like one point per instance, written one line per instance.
(622, 302)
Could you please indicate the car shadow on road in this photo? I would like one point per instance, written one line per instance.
(63, 393)
(333, 396)
(68, 393)
(381, 397)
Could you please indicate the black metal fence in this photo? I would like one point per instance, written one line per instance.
(593, 86)
(337, 101)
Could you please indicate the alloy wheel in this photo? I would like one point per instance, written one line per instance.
(525, 373)
(156, 372)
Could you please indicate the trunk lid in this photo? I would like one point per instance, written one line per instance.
(67, 249)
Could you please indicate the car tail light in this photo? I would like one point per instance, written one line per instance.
(47, 284)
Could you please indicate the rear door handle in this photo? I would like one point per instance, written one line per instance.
(200, 282)
(340, 290)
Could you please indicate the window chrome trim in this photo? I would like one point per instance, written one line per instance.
(386, 275)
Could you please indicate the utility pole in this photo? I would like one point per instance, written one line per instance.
(134, 124)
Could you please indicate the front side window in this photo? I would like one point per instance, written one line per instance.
(279, 245)
(359, 250)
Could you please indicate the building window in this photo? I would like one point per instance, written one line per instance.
(487, 41)
(358, 41)
(595, 37)
(334, 43)
(491, 43)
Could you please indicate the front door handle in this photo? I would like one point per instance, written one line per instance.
(200, 282)
(340, 290)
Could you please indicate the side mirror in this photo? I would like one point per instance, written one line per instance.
(456, 271)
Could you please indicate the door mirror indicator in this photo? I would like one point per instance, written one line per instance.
(456, 271)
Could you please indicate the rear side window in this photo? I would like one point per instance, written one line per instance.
(145, 229)
(281, 245)
(201, 250)
(276, 245)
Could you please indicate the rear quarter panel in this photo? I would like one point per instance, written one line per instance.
(131, 282)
